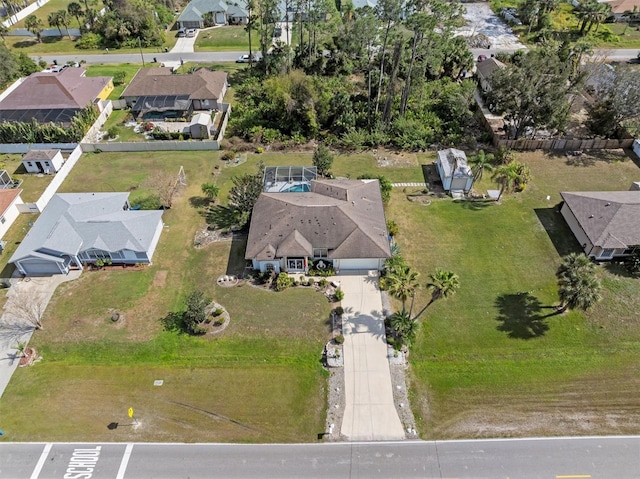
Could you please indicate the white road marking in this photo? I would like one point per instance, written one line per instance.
(43, 457)
(125, 461)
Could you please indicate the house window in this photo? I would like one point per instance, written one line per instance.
(117, 255)
(142, 255)
(269, 267)
(29, 163)
(320, 252)
(607, 253)
(295, 264)
(97, 254)
(205, 102)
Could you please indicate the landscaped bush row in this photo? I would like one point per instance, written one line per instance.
(34, 132)
(170, 135)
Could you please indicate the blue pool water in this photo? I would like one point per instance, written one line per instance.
(297, 188)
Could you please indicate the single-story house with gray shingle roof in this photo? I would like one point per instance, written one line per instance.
(485, 69)
(338, 223)
(160, 90)
(605, 223)
(222, 13)
(82, 228)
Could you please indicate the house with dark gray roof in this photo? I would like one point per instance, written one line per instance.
(605, 223)
(335, 223)
(76, 229)
(159, 90)
(219, 13)
(54, 97)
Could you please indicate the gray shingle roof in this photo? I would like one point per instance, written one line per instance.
(487, 67)
(196, 8)
(610, 219)
(74, 222)
(344, 216)
(203, 84)
(33, 155)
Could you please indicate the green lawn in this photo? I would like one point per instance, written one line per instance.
(32, 185)
(55, 5)
(260, 380)
(489, 361)
(225, 39)
(129, 69)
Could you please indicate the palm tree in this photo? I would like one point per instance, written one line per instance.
(579, 50)
(480, 163)
(3, 30)
(35, 26)
(442, 285)
(505, 175)
(402, 283)
(404, 326)
(579, 286)
(75, 9)
(210, 190)
(54, 21)
(63, 18)
(250, 18)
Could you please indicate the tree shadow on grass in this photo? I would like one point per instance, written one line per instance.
(200, 203)
(236, 263)
(618, 268)
(559, 232)
(476, 205)
(520, 316)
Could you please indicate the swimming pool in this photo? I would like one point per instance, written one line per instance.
(299, 188)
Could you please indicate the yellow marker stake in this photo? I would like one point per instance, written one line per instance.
(130, 412)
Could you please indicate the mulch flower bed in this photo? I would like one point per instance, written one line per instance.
(28, 357)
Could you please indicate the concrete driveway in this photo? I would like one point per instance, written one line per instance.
(34, 292)
(370, 414)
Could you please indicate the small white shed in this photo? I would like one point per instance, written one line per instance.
(454, 171)
(43, 161)
(199, 126)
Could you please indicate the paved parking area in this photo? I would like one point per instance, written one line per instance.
(370, 413)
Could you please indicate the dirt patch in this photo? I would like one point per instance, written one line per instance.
(160, 278)
(387, 158)
(205, 236)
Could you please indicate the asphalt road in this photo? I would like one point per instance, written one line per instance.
(560, 458)
(215, 57)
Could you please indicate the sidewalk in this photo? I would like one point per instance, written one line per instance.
(14, 329)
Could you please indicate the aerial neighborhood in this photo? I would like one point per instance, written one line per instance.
(297, 222)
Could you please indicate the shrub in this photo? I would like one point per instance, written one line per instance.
(339, 310)
(283, 281)
(323, 282)
(339, 339)
(113, 131)
(118, 78)
(147, 126)
(228, 156)
(218, 312)
(392, 227)
(311, 282)
(259, 150)
(89, 41)
(339, 294)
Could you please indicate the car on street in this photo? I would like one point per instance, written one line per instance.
(245, 58)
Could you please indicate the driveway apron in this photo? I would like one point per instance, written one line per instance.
(370, 414)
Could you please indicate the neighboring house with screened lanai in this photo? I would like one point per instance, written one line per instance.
(605, 223)
(324, 223)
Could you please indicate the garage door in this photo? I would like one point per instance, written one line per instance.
(39, 267)
(360, 263)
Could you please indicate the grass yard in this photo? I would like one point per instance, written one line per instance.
(33, 185)
(129, 69)
(493, 360)
(55, 5)
(225, 39)
(67, 46)
(259, 381)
